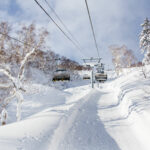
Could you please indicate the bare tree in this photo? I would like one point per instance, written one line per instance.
(128, 58)
(122, 57)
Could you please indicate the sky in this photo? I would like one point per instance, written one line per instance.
(115, 22)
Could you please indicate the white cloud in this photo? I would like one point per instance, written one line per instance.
(115, 22)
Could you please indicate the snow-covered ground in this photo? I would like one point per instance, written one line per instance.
(113, 116)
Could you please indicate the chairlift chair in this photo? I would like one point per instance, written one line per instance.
(61, 75)
(100, 75)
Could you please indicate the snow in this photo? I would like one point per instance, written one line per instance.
(123, 112)
(113, 116)
(82, 129)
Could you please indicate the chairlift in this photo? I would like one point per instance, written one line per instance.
(61, 75)
(86, 77)
(100, 75)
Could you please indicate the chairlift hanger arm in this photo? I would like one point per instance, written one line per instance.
(92, 60)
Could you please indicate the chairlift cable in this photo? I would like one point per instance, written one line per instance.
(15, 39)
(59, 27)
(96, 45)
(73, 37)
(22, 42)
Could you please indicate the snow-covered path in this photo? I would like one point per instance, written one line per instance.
(83, 129)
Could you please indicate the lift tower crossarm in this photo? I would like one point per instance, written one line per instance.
(89, 61)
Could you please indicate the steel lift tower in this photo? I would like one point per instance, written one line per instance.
(92, 62)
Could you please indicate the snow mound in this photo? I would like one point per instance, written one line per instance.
(124, 109)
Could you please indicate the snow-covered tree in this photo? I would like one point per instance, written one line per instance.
(145, 41)
(128, 58)
(17, 82)
(122, 57)
(14, 58)
(3, 116)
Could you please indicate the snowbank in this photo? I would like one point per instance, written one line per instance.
(124, 109)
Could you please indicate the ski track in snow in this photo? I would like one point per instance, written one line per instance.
(82, 129)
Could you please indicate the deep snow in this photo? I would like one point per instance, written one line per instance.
(112, 117)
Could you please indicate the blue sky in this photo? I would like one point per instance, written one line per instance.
(115, 22)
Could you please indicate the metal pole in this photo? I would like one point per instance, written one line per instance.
(96, 61)
(92, 78)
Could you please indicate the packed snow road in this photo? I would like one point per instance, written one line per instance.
(82, 129)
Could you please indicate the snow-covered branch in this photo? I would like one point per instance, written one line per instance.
(8, 74)
(4, 116)
(22, 67)
(19, 103)
(5, 86)
(8, 99)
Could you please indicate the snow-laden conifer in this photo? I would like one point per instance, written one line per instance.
(145, 41)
